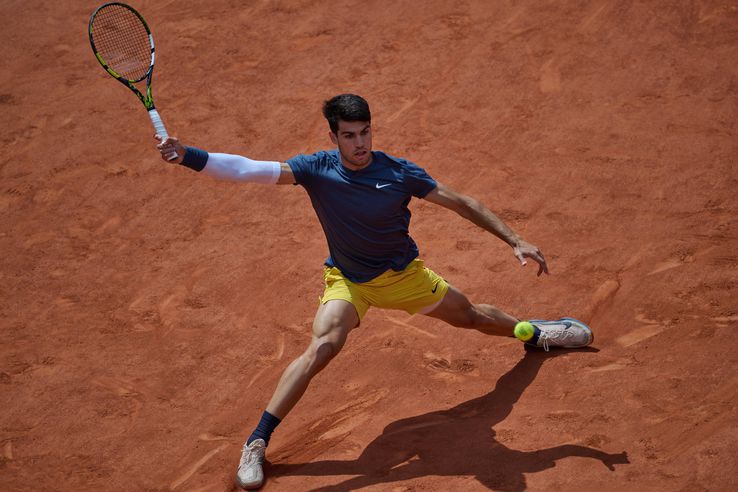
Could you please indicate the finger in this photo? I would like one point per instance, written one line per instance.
(537, 256)
(166, 146)
(542, 267)
(157, 137)
(520, 257)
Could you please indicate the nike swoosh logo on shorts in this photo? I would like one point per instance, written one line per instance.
(435, 287)
(379, 186)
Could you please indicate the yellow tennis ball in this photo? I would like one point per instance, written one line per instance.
(524, 331)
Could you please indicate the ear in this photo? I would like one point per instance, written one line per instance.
(334, 137)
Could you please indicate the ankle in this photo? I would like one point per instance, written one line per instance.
(264, 429)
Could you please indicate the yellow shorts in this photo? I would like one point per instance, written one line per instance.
(411, 290)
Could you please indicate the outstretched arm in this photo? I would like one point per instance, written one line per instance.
(226, 166)
(475, 212)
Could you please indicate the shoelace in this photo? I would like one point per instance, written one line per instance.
(251, 456)
(551, 333)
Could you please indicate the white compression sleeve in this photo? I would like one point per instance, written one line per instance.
(238, 168)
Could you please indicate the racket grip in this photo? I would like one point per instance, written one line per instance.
(160, 129)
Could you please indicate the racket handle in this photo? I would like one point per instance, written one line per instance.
(160, 129)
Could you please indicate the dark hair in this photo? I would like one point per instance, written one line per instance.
(346, 107)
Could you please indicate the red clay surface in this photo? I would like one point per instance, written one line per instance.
(147, 311)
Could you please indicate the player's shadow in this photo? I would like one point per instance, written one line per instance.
(456, 442)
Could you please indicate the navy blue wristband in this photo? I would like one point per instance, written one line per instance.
(195, 158)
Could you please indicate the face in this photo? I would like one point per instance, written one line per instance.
(354, 140)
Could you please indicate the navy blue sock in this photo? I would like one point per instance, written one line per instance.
(264, 430)
(534, 340)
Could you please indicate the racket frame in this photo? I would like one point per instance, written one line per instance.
(148, 98)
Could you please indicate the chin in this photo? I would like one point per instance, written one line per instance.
(356, 160)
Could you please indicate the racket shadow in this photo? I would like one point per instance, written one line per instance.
(459, 441)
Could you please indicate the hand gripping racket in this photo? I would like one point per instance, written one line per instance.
(124, 46)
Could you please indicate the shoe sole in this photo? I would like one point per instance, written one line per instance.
(249, 486)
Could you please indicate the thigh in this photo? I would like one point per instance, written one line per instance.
(338, 287)
(412, 290)
(454, 309)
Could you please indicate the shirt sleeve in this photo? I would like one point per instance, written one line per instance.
(304, 167)
(417, 180)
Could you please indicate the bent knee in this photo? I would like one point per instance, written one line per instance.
(321, 353)
(326, 351)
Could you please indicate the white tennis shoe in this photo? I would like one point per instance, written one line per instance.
(250, 474)
(564, 332)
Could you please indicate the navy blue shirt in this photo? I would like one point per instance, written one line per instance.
(364, 213)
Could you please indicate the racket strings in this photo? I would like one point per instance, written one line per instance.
(122, 41)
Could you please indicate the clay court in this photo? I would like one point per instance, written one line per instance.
(147, 311)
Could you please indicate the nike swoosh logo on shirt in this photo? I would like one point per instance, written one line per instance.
(379, 186)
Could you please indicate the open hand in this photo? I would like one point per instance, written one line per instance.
(526, 250)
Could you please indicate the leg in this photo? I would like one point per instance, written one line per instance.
(333, 322)
(455, 309)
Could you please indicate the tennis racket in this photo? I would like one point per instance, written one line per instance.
(123, 44)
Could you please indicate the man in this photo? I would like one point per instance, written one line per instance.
(361, 198)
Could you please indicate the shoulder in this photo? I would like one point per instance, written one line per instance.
(319, 157)
(398, 164)
(313, 162)
(390, 159)
(403, 165)
(306, 166)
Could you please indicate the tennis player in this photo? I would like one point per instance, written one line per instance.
(361, 198)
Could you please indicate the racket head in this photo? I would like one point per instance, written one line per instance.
(122, 42)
